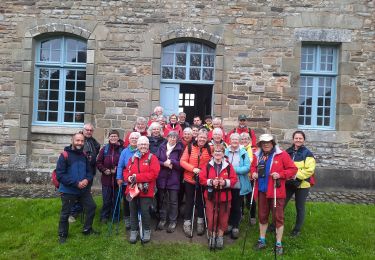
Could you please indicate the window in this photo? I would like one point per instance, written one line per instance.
(60, 81)
(317, 97)
(187, 62)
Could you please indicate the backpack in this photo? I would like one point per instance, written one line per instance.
(54, 180)
(207, 146)
(250, 134)
(106, 149)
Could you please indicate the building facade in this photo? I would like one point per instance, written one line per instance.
(286, 64)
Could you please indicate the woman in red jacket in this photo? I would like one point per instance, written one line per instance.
(270, 168)
(195, 157)
(142, 170)
(219, 177)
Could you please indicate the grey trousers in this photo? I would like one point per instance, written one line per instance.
(142, 205)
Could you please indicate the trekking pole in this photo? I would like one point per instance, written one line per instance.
(118, 212)
(274, 213)
(211, 239)
(192, 218)
(247, 228)
(114, 211)
(140, 226)
(218, 215)
(204, 211)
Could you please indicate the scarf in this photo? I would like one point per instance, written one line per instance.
(267, 161)
(170, 149)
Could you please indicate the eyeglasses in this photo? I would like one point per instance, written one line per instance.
(89, 130)
(218, 151)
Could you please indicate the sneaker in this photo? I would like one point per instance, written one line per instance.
(133, 237)
(62, 240)
(171, 227)
(200, 229)
(219, 242)
(279, 250)
(294, 233)
(229, 230)
(161, 225)
(187, 228)
(253, 221)
(235, 233)
(71, 219)
(146, 236)
(90, 231)
(127, 223)
(260, 245)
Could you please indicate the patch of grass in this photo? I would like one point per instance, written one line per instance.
(331, 231)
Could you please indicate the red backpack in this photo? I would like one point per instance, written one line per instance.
(54, 180)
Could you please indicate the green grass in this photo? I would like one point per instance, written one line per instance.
(28, 230)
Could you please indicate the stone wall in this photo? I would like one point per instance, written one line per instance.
(258, 46)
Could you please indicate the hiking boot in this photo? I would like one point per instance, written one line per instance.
(200, 229)
(229, 230)
(279, 250)
(211, 242)
(219, 242)
(253, 221)
(133, 237)
(187, 228)
(71, 219)
(161, 225)
(260, 245)
(146, 236)
(127, 223)
(294, 233)
(62, 239)
(235, 233)
(171, 227)
(90, 231)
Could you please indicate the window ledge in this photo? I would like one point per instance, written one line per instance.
(58, 130)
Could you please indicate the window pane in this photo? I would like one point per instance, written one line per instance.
(192, 96)
(52, 106)
(80, 107)
(55, 74)
(208, 74)
(52, 116)
(167, 72)
(180, 73)
(79, 118)
(308, 120)
(80, 96)
(42, 105)
(55, 56)
(69, 106)
(68, 117)
(208, 60)
(319, 121)
(195, 60)
(81, 75)
(54, 84)
(180, 102)
(168, 48)
(327, 121)
(42, 116)
(308, 110)
(81, 86)
(180, 59)
(53, 95)
(56, 44)
(44, 55)
(43, 94)
(301, 120)
(71, 74)
(181, 47)
(82, 56)
(207, 49)
(191, 103)
(196, 47)
(43, 84)
(195, 74)
(69, 95)
(71, 56)
(167, 59)
(69, 85)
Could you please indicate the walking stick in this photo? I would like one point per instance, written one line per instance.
(211, 239)
(140, 220)
(274, 213)
(192, 218)
(247, 228)
(118, 203)
(218, 216)
(204, 211)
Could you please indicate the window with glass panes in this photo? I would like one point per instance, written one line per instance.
(60, 81)
(317, 96)
(187, 61)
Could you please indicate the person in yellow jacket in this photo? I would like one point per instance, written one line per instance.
(304, 179)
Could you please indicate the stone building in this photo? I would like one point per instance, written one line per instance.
(286, 64)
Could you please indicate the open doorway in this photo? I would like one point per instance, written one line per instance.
(195, 100)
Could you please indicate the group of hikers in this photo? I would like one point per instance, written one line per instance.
(198, 172)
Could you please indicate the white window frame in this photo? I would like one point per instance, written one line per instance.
(63, 67)
(317, 73)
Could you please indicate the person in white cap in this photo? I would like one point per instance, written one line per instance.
(270, 169)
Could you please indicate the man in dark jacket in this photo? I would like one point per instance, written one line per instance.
(74, 174)
(91, 148)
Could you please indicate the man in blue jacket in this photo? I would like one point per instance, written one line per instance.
(74, 174)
